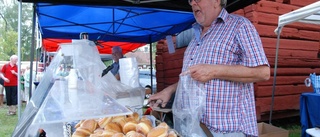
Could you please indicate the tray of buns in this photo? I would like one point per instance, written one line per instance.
(120, 126)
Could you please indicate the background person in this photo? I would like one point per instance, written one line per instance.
(23, 98)
(116, 55)
(226, 54)
(27, 82)
(9, 73)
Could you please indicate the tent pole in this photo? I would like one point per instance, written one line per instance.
(32, 52)
(37, 60)
(151, 68)
(275, 73)
(44, 59)
(19, 59)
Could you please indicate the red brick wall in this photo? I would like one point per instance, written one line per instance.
(168, 65)
(297, 58)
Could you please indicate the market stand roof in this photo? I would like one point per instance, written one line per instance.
(178, 5)
(308, 14)
(110, 23)
(141, 21)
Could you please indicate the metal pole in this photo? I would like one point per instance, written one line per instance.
(150, 50)
(19, 58)
(275, 74)
(32, 52)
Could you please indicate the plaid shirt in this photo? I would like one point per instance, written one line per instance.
(231, 40)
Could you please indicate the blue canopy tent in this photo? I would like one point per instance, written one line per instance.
(110, 23)
(177, 5)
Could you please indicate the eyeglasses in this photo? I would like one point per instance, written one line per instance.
(190, 1)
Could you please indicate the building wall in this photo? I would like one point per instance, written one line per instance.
(297, 58)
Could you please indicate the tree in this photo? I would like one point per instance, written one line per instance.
(9, 29)
(8, 44)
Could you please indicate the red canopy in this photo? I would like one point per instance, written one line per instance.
(51, 45)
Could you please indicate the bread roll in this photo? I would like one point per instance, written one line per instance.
(143, 128)
(172, 134)
(158, 132)
(130, 133)
(135, 116)
(96, 135)
(79, 124)
(81, 132)
(112, 126)
(89, 124)
(118, 135)
(163, 124)
(77, 135)
(104, 121)
(98, 131)
(134, 134)
(107, 133)
(117, 119)
(129, 126)
(131, 119)
(146, 120)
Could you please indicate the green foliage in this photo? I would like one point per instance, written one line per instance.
(8, 44)
(9, 29)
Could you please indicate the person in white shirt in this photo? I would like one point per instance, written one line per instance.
(27, 83)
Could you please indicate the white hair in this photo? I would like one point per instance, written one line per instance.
(223, 3)
(13, 57)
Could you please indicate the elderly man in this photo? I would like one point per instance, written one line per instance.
(116, 55)
(227, 56)
(9, 73)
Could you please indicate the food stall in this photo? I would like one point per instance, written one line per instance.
(73, 90)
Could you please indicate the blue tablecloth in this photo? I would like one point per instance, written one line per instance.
(309, 111)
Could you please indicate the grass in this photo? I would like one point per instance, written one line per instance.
(8, 123)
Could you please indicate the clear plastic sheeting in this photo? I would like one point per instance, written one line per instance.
(58, 108)
(72, 89)
(125, 95)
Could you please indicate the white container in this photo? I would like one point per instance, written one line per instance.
(72, 87)
(72, 79)
(129, 72)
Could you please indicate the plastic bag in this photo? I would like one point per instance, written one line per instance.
(188, 107)
(314, 80)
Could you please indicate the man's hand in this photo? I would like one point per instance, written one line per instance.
(201, 72)
(237, 73)
(13, 72)
(163, 97)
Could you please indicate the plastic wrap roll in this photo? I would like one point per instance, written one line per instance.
(129, 73)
